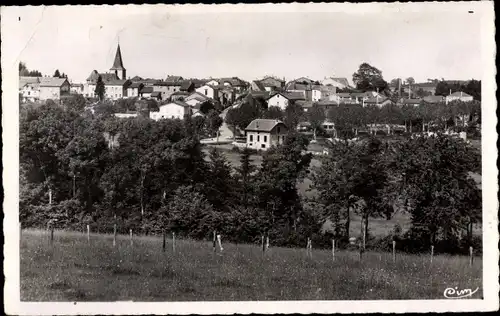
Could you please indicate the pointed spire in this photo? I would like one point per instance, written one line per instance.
(118, 63)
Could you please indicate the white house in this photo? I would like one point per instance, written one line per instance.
(171, 110)
(76, 88)
(53, 88)
(282, 99)
(116, 89)
(29, 88)
(213, 82)
(209, 91)
(460, 96)
(195, 98)
(133, 89)
(263, 133)
(321, 92)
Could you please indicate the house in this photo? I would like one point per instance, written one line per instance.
(427, 87)
(272, 84)
(332, 97)
(171, 110)
(283, 99)
(179, 95)
(380, 102)
(156, 95)
(146, 92)
(234, 82)
(53, 88)
(212, 82)
(29, 88)
(210, 91)
(433, 99)
(174, 79)
(319, 92)
(167, 88)
(459, 96)
(134, 88)
(136, 79)
(265, 133)
(187, 86)
(196, 98)
(116, 89)
(257, 86)
(226, 95)
(302, 85)
(76, 88)
(339, 83)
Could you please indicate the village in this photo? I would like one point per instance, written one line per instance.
(176, 97)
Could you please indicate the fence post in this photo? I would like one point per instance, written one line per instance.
(164, 241)
(214, 244)
(88, 233)
(471, 256)
(333, 249)
(131, 241)
(220, 244)
(432, 252)
(51, 235)
(267, 242)
(394, 250)
(114, 235)
(173, 242)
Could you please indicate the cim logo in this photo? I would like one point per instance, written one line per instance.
(456, 293)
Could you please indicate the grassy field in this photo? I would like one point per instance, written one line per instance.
(71, 269)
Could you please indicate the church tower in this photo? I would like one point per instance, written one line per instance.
(118, 68)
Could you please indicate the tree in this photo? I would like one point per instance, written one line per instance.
(214, 122)
(473, 88)
(316, 116)
(99, 88)
(347, 119)
(294, 114)
(244, 176)
(232, 120)
(274, 112)
(206, 107)
(369, 78)
(410, 81)
(443, 164)
(75, 103)
(220, 189)
(57, 74)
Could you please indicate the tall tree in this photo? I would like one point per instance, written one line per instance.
(99, 88)
(244, 176)
(57, 74)
(369, 78)
(410, 81)
(316, 116)
(294, 114)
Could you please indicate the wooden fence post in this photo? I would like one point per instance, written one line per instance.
(432, 252)
(394, 251)
(214, 244)
(220, 244)
(267, 242)
(88, 233)
(333, 249)
(114, 235)
(173, 242)
(164, 246)
(471, 255)
(131, 241)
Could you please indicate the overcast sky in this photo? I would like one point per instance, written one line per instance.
(161, 41)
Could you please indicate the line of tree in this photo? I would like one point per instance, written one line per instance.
(25, 72)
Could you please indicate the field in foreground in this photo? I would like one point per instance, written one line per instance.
(71, 269)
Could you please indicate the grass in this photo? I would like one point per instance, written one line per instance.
(71, 269)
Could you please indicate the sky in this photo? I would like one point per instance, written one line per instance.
(210, 41)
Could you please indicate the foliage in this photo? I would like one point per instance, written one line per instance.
(75, 102)
(294, 114)
(99, 88)
(316, 116)
(24, 71)
(369, 78)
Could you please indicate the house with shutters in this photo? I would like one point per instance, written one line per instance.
(262, 134)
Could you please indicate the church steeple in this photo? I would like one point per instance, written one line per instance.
(118, 68)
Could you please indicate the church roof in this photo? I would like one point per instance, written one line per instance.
(118, 63)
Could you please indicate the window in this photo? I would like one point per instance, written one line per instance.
(206, 91)
(263, 145)
(278, 129)
(251, 138)
(258, 138)
(265, 139)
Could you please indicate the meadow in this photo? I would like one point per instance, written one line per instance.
(73, 269)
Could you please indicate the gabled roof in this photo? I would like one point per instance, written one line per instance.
(116, 82)
(118, 63)
(25, 80)
(174, 78)
(94, 75)
(290, 95)
(136, 85)
(257, 86)
(263, 125)
(168, 83)
(52, 82)
(186, 85)
(136, 78)
(234, 81)
(197, 96)
(155, 93)
(460, 94)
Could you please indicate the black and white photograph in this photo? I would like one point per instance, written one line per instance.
(256, 158)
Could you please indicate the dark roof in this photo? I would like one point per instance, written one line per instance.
(263, 125)
(174, 78)
(118, 63)
(411, 101)
(147, 89)
(292, 95)
(168, 83)
(27, 80)
(136, 85)
(116, 82)
(184, 93)
(181, 103)
(258, 86)
(155, 93)
(136, 78)
(52, 81)
(186, 85)
(234, 81)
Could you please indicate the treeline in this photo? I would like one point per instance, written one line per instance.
(77, 168)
